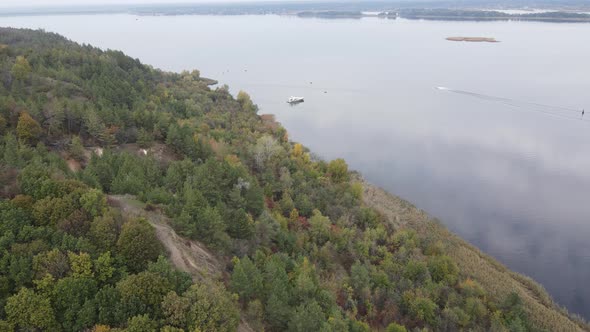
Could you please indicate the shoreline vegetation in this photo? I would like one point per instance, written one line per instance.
(473, 39)
(494, 277)
(138, 199)
(451, 15)
(492, 15)
(209, 81)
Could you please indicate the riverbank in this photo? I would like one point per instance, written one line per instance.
(494, 277)
(208, 81)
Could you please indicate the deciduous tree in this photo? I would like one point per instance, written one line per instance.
(143, 293)
(103, 231)
(141, 323)
(212, 309)
(73, 301)
(338, 170)
(29, 311)
(21, 68)
(176, 310)
(53, 262)
(245, 101)
(138, 244)
(94, 202)
(27, 129)
(81, 265)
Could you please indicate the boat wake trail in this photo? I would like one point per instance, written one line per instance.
(559, 111)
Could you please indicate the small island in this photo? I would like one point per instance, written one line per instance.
(473, 39)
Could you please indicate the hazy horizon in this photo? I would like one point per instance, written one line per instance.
(60, 3)
(82, 3)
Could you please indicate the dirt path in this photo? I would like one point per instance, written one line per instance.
(186, 255)
(189, 256)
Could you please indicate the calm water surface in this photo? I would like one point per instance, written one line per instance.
(509, 176)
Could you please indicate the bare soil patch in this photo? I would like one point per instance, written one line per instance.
(187, 255)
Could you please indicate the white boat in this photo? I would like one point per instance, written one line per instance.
(295, 100)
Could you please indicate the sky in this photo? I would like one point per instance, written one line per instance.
(52, 3)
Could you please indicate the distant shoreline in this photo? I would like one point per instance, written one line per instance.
(499, 18)
(336, 10)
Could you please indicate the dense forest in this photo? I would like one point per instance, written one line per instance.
(491, 15)
(300, 249)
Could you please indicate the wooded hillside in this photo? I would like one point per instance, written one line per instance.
(301, 249)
